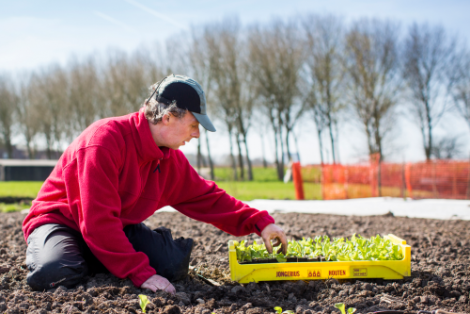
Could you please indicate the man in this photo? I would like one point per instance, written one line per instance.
(88, 214)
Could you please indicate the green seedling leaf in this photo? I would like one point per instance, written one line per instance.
(351, 310)
(280, 258)
(341, 307)
(143, 302)
(278, 309)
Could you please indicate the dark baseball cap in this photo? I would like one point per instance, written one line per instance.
(188, 94)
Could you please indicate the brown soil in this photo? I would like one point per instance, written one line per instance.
(440, 273)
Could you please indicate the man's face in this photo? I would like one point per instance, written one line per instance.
(178, 131)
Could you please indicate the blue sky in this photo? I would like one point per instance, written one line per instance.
(36, 33)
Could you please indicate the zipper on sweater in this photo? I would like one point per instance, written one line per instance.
(158, 167)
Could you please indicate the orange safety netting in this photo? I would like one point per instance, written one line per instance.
(433, 179)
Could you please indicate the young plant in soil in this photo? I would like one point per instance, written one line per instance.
(356, 248)
(278, 310)
(342, 308)
(143, 302)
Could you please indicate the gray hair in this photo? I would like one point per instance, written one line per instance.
(154, 111)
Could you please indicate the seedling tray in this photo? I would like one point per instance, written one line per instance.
(245, 273)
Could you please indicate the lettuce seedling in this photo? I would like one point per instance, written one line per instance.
(342, 308)
(243, 253)
(143, 302)
(278, 310)
(280, 258)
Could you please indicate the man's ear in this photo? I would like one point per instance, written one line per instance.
(166, 119)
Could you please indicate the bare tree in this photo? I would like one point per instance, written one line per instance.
(49, 95)
(84, 97)
(28, 116)
(125, 82)
(371, 60)
(427, 53)
(321, 121)
(233, 86)
(199, 63)
(324, 72)
(8, 101)
(459, 75)
(276, 58)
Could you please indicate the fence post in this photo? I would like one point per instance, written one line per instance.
(374, 173)
(455, 193)
(322, 179)
(408, 180)
(403, 182)
(297, 178)
(434, 179)
(372, 180)
(379, 177)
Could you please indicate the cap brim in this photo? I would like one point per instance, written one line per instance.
(204, 121)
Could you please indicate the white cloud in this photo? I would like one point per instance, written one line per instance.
(157, 14)
(113, 20)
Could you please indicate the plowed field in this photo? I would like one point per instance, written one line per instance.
(440, 273)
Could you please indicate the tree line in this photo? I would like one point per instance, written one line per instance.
(259, 78)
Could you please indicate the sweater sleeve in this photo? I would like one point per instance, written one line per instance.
(92, 189)
(203, 200)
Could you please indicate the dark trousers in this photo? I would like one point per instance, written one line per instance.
(58, 255)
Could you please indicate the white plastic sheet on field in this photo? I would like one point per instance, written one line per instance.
(429, 208)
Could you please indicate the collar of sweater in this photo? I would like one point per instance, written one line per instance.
(145, 144)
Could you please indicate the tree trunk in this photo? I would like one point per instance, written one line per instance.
(28, 142)
(281, 141)
(316, 118)
(281, 161)
(30, 150)
(288, 145)
(279, 168)
(250, 169)
(8, 146)
(263, 153)
(204, 164)
(232, 157)
(320, 144)
(276, 156)
(428, 117)
(48, 149)
(296, 146)
(241, 164)
(338, 160)
(199, 155)
(49, 152)
(426, 146)
(211, 164)
(330, 129)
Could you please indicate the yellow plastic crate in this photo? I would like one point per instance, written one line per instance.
(245, 273)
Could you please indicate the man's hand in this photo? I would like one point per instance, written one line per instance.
(157, 282)
(271, 232)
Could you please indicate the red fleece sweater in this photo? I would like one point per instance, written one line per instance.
(108, 179)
